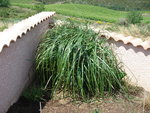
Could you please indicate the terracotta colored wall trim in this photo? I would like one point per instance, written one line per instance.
(18, 46)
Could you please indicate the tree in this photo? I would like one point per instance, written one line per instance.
(4, 3)
(134, 17)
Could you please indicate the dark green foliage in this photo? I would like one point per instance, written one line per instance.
(10, 13)
(75, 60)
(117, 7)
(4, 3)
(4, 13)
(43, 1)
(39, 7)
(112, 4)
(134, 17)
(34, 93)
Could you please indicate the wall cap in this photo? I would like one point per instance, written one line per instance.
(136, 42)
(21, 28)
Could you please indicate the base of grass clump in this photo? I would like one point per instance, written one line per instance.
(76, 61)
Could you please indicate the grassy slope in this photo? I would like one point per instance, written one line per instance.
(90, 12)
(84, 11)
(114, 4)
(22, 1)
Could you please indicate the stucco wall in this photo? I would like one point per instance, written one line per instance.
(136, 62)
(16, 61)
(16, 64)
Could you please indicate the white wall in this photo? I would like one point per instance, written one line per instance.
(16, 63)
(136, 62)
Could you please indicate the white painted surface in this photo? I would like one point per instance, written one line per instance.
(16, 63)
(136, 62)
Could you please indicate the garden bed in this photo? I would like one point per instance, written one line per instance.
(60, 103)
(133, 103)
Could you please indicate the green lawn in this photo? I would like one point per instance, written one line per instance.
(86, 11)
(22, 1)
(81, 11)
(112, 4)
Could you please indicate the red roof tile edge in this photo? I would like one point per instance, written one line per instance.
(21, 28)
(136, 42)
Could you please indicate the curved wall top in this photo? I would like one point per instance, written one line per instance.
(134, 54)
(136, 42)
(17, 61)
(21, 28)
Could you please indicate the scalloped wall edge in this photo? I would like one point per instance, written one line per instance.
(136, 42)
(17, 61)
(21, 28)
(134, 55)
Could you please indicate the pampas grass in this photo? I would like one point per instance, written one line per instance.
(76, 61)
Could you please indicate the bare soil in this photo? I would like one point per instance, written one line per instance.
(118, 104)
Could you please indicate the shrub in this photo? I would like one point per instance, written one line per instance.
(123, 21)
(4, 13)
(75, 60)
(33, 93)
(134, 17)
(39, 7)
(3, 27)
(4, 3)
(117, 7)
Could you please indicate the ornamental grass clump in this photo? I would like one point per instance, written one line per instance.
(76, 61)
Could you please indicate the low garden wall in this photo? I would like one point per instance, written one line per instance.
(18, 46)
(134, 55)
